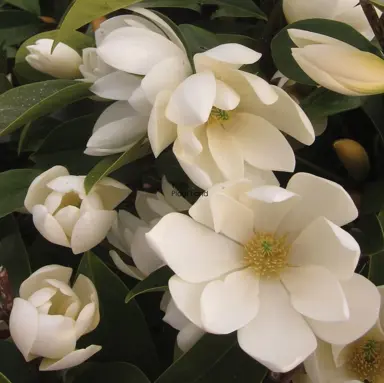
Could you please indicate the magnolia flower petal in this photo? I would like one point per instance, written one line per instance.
(199, 254)
(161, 131)
(337, 251)
(108, 26)
(278, 337)
(270, 204)
(260, 177)
(143, 256)
(67, 184)
(226, 97)
(295, 10)
(231, 218)
(23, 326)
(320, 197)
(226, 151)
(363, 301)
(286, 115)
(36, 280)
(48, 226)
(140, 102)
(189, 336)
(146, 49)
(257, 139)
(42, 296)
(236, 55)
(187, 298)
(174, 317)
(131, 271)
(171, 195)
(160, 206)
(316, 293)
(53, 201)
(192, 101)
(67, 218)
(92, 201)
(112, 192)
(56, 336)
(38, 190)
(142, 206)
(230, 304)
(91, 229)
(116, 86)
(165, 76)
(87, 293)
(85, 319)
(302, 38)
(72, 359)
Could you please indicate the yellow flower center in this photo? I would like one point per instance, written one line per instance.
(219, 115)
(366, 360)
(267, 254)
(69, 199)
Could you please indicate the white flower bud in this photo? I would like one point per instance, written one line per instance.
(49, 317)
(63, 63)
(65, 215)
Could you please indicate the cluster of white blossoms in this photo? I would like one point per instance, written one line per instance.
(270, 263)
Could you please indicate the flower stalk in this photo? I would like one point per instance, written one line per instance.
(374, 20)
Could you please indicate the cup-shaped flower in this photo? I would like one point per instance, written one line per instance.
(63, 63)
(272, 264)
(345, 11)
(359, 362)
(50, 316)
(65, 215)
(157, 63)
(337, 65)
(128, 231)
(226, 120)
(93, 67)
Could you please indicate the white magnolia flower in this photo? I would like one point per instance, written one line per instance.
(128, 231)
(63, 63)
(65, 215)
(93, 67)
(157, 62)
(337, 65)
(50, 316)
(345, 11)
(358, 362)
(272, 264)
(227, 121)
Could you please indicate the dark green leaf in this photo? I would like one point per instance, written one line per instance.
(13, 189)
(13, 365)
(27, 103)
(369, 233)
(323, 103)
(236, 8)
(155, 282)
(32, 6)
(282, 44)
(17, 26)
(4, 379)
(117, 372)
(13, 255)
(374, 108)
(376, 269)
(373, 197)
(122, 331)
(379, 4)
(214, 359)
(5, 85)
(115, 162)
(26, 73)
(190, 4)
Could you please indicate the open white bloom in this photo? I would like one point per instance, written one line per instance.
(63, 63)
(128, 231)
(272, 264)
(337, 65)
(345, 11)
(65, 215)
(93, 67)
(227, 121)
(50, 316)
(358, 362)
(157, 62)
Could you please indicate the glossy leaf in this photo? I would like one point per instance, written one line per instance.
(26, 73)
(376, 269)
(4, 379)
(374, 108)
(13, 255)
(32, 6)
(282, 45)
(236, 8)
(214, 359)
(13, 189)
(17, 26)
(122, 331)
(112, 163)
(190, 4)
(29, 102)
(155, 282)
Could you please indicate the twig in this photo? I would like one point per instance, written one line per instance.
(374, 21)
